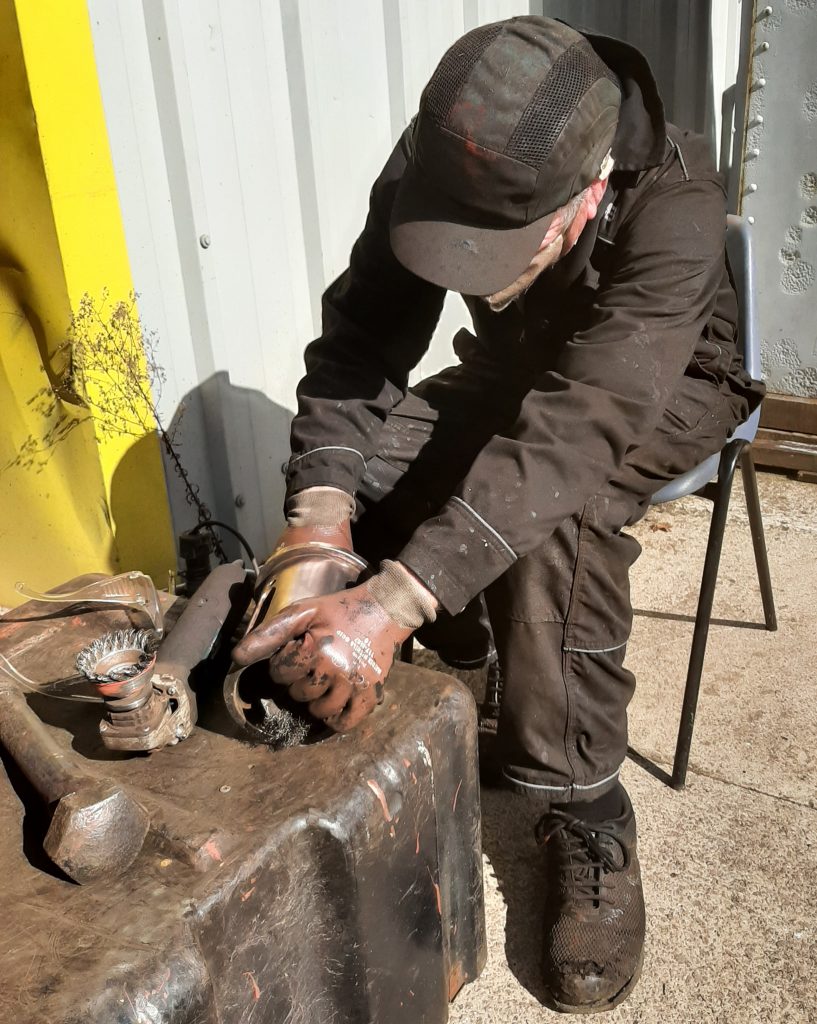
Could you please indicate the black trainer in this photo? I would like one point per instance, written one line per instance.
(594, 914)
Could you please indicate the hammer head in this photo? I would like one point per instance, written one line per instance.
(96, 832)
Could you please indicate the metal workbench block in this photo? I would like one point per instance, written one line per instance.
(337, 881)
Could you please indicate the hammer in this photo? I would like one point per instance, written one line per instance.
(98, 828)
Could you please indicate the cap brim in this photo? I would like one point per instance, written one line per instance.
(429, 237)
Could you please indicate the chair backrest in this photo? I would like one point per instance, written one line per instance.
(741, 260)
(739, 249)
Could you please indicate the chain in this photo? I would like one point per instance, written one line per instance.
(191, 493)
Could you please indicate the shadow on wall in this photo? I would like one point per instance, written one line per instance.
(229, 445)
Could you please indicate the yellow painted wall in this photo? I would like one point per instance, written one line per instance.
(73, 497)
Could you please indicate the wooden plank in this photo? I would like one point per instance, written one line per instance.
(785, 450)
(789, 413)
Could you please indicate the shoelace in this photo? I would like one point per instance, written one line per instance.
(588, 857)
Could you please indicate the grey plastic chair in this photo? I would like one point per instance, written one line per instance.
(713, 480)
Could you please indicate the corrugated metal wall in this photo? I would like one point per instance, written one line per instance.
(245, 137)
(691, 46)
(779, 189)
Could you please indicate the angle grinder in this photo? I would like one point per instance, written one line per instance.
(145, 683)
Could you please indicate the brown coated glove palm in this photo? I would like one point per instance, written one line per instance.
(333, 652)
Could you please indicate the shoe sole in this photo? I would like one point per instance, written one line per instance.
(603, 1004)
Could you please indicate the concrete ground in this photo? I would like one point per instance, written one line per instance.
(730, 865)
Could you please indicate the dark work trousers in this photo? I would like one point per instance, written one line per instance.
(561, 615)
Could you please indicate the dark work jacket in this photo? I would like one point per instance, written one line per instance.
(600, 341)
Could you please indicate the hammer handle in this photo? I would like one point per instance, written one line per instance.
(52, 770)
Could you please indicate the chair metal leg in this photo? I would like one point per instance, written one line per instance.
(747, 467)
(723, 490)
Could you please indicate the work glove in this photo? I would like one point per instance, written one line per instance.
(320, 514)
(335, 652)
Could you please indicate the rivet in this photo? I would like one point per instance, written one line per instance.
(284, 467)
(204, 241)
(750, 220)
(763, 47)
(754, 153)
(759, 83)
(756, 121)
(239, 501)
(752, 188)
(766, 11)
(224, 789)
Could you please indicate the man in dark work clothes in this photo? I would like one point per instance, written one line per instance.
(586, 235)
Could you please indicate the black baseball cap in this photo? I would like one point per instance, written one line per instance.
(516, 120)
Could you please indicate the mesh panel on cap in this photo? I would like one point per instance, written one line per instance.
(542, 121)
(454, 68)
